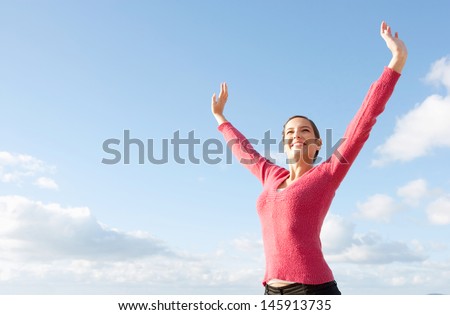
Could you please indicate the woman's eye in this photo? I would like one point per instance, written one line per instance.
(288, 132)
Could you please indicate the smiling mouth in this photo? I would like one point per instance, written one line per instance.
(297, 145)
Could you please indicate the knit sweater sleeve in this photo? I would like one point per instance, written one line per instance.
(359, 128)
(246, 154)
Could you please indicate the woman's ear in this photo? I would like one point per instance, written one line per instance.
(319, 143)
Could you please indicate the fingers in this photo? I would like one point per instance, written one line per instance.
(223, 91)
(223, 95)
(385, 30)
(225, 88)
(382, 27)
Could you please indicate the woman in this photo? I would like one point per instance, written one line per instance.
(294, 202)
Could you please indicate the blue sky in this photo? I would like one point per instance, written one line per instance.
(76, 73)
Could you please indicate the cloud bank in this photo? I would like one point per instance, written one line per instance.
(34, 230)
(342, 245)
(45, 243)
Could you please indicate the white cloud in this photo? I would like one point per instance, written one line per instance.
(378, 207)
(440, 73)
(342, 245)
(337, 234)
(421, 277)
(376, 251)
(148, 275)
(438, 211)
(46, 183)
(246, 244)
(424, 128)
(34, 230)
(370, 248)
(413, 192)
(48, 243)
(16, 168)
(398, 281)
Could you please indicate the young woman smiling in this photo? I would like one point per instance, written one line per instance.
(293, 203)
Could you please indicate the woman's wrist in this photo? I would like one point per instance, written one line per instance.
(397, 62)
(220, 118)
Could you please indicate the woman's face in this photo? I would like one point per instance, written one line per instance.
(300, 140)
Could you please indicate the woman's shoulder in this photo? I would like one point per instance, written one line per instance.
(273, 171)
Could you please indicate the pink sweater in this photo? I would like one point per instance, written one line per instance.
(292, 219)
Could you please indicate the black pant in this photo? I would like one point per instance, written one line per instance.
(329, 288)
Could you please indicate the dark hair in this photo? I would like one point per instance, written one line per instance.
(315, 129)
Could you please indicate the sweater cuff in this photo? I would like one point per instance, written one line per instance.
(389, 77)
(223, 125)
(391, 73)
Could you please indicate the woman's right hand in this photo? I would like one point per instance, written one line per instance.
(218, 105)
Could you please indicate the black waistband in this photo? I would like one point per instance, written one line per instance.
(298, 288)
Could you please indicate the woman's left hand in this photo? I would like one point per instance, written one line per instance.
(396, 46)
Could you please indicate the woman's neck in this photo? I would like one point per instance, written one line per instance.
(298, 169)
